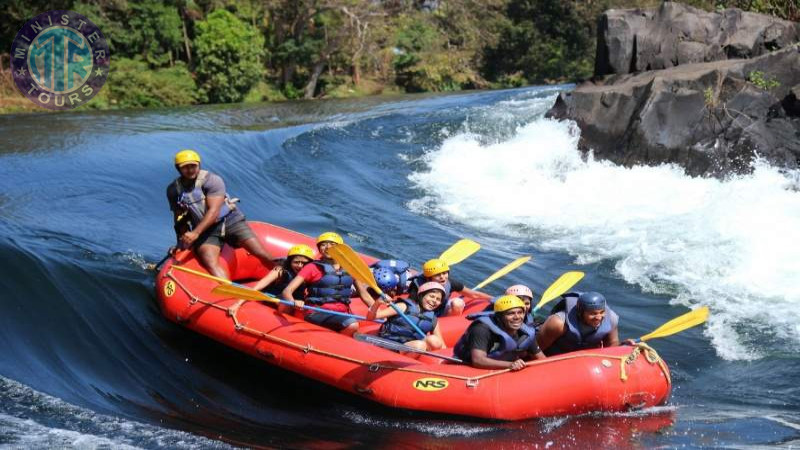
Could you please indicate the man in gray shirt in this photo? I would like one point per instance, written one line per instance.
(206, 217)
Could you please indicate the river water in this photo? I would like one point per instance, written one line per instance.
(87, 360)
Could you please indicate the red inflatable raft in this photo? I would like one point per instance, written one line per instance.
(610, 379)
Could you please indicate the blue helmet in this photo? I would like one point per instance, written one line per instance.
(385, 278)
(591, 301)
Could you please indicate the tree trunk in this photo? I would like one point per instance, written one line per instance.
(186, 46)
(312, 82)
(356, 70)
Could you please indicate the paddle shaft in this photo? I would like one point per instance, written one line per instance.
(392, 345)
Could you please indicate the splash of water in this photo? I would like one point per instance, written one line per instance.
(729, 244)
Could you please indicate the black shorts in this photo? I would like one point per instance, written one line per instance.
(234, 234)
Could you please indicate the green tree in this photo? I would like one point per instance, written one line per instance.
(157, 31)
(228, 53)
(132, 85)
(545, 40)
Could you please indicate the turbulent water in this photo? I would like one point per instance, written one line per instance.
(87, 360)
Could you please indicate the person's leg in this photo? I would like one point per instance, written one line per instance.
(254, 247)
(208, 254)
(433, 342)
(240, 234)
(345, 325)
(207, 249)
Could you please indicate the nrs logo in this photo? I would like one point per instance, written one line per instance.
(430, 384)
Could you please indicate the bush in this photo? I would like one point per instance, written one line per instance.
(228, 57)
(132, 85)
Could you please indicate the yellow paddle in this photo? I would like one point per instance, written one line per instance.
(678, 324)
(241, 291)
(508, 268)
(357, 268)
(459, 251)
(561, 285)
(247, 293)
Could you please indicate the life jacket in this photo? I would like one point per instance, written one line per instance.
(400, 268)
(509, 349)
(334, 286)
(277, 286)
(194, 201)
(419, 280)
(576, 336)
(398, 329)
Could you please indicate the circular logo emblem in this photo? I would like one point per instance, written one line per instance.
(59, 60)
(169, 288)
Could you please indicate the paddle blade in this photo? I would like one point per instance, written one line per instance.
(353, 264)
(508, 268)
(243, 293)
(678, 324)
(560, 286)
(459, 251)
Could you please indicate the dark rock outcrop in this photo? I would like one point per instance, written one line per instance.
(712, 118)
(635, 40)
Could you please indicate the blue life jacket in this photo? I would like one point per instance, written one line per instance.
(576, 336)
(276, 287)
(334, 286)
(420, 279)
(400, 268)
(194, 201)
(397, 329)
(509, 349)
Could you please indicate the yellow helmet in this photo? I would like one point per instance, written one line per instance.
(186, 157)
(507, 302)
(330, 236)
(434, 266)
(301, 250)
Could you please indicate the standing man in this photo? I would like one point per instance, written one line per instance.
(206, 217)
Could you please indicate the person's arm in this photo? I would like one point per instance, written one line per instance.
(288, 294)
(270, 278)
(479, 341)
(612, 338)
(376, 313)
(482, 361)
(213, 206)
(551, 329)
(539, 355)
(363, 293)
(179, 219)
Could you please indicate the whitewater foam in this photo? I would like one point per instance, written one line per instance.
(728, 244)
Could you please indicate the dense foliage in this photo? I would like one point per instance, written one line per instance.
(175, 52)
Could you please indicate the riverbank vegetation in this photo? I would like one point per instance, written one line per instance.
(181, 52)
